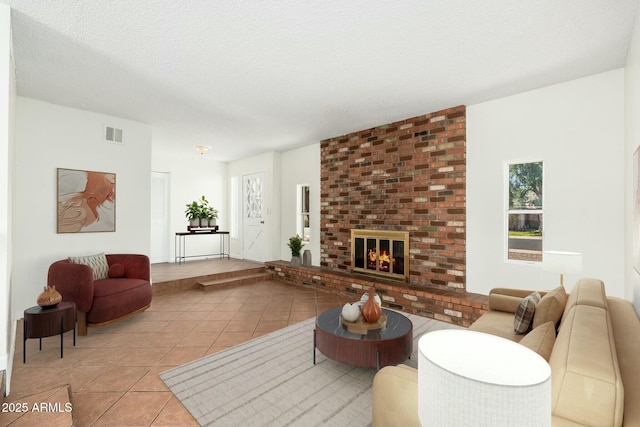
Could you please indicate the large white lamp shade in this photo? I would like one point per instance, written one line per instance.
(469, 378)
(562, 263)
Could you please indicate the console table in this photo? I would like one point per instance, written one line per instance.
(181, 249)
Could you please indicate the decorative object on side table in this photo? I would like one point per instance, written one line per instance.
(371, 311)
(49, 297)
(295, 244)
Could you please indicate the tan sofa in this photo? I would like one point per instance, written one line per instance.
(594, 359)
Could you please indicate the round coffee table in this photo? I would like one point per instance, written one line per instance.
(375, 349)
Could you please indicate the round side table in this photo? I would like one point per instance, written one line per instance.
(42, 322)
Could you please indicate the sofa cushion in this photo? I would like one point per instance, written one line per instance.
(395, 397)
(541, 339)
(108, 287)
(97, 262)
(506, 299)
(114, 298)
(550, 307)
(116, 270)
(626, 333)
(587, 292)
(586, 386)
(498, 323)
(525, 313)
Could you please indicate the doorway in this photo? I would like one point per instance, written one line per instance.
(254, 238)
(159, 217)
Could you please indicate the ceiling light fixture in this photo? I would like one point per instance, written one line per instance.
(202, 148)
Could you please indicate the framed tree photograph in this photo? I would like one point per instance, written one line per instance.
(86, 201)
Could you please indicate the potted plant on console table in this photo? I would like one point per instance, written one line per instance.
(193, 213)
(295, 244)
(212, 216)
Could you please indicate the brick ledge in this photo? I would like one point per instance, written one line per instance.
(456, 307)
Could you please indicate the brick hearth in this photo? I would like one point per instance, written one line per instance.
(449, 306)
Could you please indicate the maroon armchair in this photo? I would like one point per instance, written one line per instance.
(127, 291)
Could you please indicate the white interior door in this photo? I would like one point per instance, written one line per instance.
(254, 236)
(159, 217)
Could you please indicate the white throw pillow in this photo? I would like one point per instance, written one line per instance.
(97, 262)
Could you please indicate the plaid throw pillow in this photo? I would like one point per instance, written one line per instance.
(524, 313)
(98, 264)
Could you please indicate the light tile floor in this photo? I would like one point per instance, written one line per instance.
(113, 371)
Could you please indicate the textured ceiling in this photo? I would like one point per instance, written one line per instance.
(251, 76)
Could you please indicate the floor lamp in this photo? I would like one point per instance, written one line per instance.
(562, 263)
(470, 378)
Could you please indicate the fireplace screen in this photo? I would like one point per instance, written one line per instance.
(380, 252)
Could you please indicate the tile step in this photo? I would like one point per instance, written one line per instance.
(178, 285)
(233, 281)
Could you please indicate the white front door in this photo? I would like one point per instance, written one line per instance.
(254, 238)
(159, 217)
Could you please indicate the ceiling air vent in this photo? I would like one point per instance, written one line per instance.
(113, 135)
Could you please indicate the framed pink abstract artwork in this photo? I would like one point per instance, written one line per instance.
(86, 201)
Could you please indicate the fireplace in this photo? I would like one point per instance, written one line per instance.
(380, 252)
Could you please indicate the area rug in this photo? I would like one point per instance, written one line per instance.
(272, 381)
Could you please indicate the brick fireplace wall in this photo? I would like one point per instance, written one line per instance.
(404, 176)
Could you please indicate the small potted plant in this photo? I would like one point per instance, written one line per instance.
(212, 216)
(193, 213)
(203, 213)
(295, 244)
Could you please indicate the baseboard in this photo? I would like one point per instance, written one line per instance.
(6, 384)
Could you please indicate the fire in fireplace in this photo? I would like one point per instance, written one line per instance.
(380, 252)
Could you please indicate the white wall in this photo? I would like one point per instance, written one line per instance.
(270, 164)
(300, 166)
(191, 178)
(48, 137)
(577, 128)
(632, 134)
(7, 106)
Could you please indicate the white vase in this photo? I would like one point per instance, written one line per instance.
(351, 312)
(365, 298)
